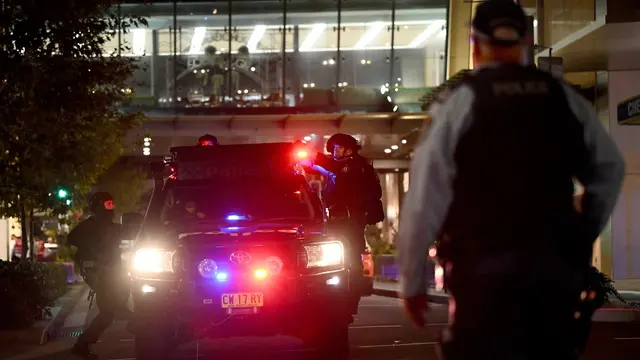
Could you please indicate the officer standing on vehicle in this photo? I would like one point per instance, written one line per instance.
(98, 241)
(352, 192)
(492, 185)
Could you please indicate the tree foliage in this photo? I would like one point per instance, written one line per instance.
(60, 123)
(128, 184)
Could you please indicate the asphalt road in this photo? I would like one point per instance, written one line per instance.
(380, 332)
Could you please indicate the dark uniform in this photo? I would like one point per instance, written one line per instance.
(492, 184)
(352, 194)
(98, 241)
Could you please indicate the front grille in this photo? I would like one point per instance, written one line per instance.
(221, 254)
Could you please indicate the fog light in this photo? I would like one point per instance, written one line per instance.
(333, 281)
(260, 274)
(148, 289)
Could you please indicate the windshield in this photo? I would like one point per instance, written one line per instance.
(238, 200)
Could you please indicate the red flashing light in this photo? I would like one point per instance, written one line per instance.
(302, 154)
(206, 143)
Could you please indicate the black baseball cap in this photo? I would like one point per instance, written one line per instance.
(501, 22)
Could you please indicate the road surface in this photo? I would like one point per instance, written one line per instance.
(380, 332)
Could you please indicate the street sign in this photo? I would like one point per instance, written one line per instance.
(629, 111)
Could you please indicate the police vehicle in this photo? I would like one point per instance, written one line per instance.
(234, 243)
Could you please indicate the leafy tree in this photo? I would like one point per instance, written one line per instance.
(60, 124)
(128, 184)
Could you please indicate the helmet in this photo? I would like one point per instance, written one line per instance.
(345, 140)
(96, 203)
(207, 140)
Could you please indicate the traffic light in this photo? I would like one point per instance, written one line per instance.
(62, 193)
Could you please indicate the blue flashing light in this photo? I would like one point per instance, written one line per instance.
(233, 228)
(222, 276)
(235, 217)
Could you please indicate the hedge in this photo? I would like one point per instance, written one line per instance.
(28, 291)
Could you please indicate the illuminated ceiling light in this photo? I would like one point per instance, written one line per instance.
(256, 36)
(253, 68)
(394, 147)
(427, 33)
(239, 91)
(314, 35)
(387, 151)
(147, 139)
(307, 138)
(305, 85)
(363, 61)
(313, 85)
(324, 62)
(196, 40)
(331, 61)
(139, 38)
(370, 35)
(395, 108)
(404, 141)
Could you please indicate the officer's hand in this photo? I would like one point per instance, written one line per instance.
(415, 308)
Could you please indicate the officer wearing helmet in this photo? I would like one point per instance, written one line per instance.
(352, 192)
(207, 140)
(98, 241)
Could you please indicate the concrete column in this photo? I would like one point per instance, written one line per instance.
(459, 47)
(155, 62)
(391, 183)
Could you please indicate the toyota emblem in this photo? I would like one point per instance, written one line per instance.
(240, 257)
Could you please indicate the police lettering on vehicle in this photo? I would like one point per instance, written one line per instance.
(512, 88)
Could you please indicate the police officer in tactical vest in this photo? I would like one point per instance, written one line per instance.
(98, 241)
(352, 193)
(492, 185)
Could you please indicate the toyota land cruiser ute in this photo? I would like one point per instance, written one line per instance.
(233, 243)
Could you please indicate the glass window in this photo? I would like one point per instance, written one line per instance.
(239, 59)
(258, 201)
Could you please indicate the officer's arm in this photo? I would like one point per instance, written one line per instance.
(430, 194)
(374, 192)
(76, 235)
(603, 171)
(324, 165)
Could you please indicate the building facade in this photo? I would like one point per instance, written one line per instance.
(285, 53)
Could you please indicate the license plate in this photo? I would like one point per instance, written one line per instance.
(242, 300)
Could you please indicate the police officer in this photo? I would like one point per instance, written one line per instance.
(207, 140)
(98, 241)
(492, 184)
(352, 193)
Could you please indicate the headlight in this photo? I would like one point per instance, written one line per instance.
(324, 254)
(153, 260)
